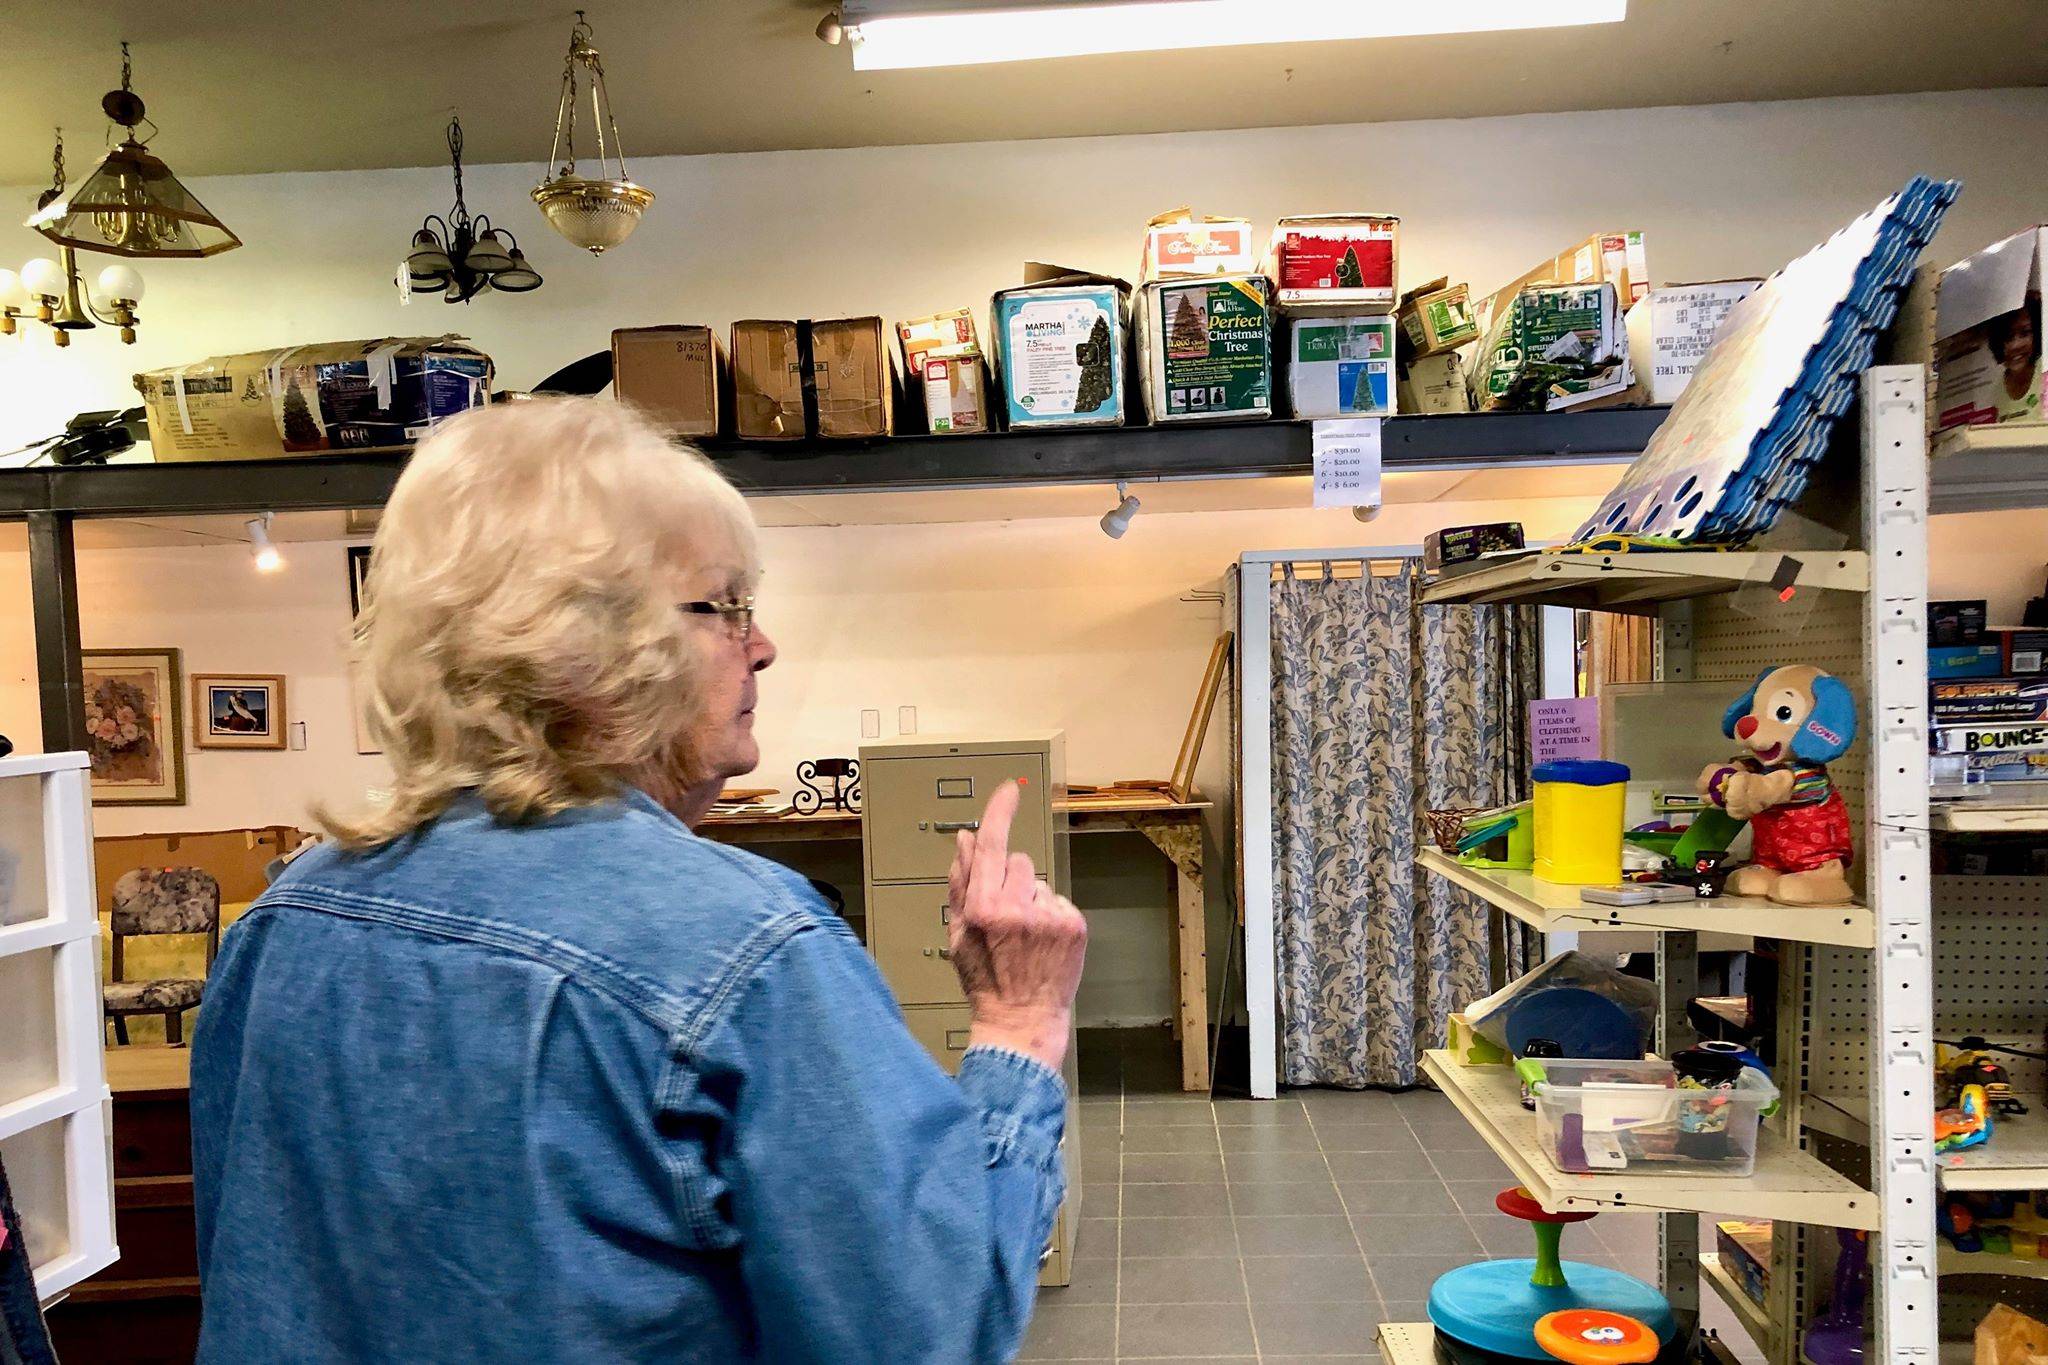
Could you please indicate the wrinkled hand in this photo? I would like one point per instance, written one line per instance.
(1017, 945)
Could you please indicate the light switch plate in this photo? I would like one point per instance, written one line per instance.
(298, 734)
(871, 725)
(906, 720)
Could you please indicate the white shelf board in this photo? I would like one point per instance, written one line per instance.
(1408, 1343)
(1553, 908)
(1637, 582)
(1989, 468)
(1994, 814)
(1747, 1311)
(24, 765)
(1949, 1261)
(1787, 1183)
(1837, 1116)
(2015, 1157)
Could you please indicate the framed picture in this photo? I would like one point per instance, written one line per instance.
(358, 578)
(132, 733)
(238, 711)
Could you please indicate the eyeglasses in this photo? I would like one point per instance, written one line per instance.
(739, 615)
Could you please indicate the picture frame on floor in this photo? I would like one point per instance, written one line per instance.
(238, 711)
(133, 734)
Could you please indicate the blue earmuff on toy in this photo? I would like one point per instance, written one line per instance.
(1830, 727)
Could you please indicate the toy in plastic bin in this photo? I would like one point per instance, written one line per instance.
(1792, 723)
(1965, 1126)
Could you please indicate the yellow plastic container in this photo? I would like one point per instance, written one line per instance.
(1578, 821)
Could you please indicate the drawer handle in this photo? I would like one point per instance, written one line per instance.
(943, 954)
(951, 826)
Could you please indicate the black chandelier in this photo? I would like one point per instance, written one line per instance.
(466, 256)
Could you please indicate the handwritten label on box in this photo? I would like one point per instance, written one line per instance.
(1347, 462)
(1564, 727)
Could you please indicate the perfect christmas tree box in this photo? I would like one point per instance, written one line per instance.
(381, 394)
(1341, 366)
(677, 375)
(1062, 353)
(1344, 261)
(1987, 351)
(1207, 348)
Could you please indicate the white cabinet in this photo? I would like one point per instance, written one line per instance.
(54, 1109)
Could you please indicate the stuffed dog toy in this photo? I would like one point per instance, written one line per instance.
(1792, 722)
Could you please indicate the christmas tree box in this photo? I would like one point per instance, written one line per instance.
(1179, 245)
(1341, 366)
(852, 378)
(1336, 260)
(1616, 258)
(939, 331)
(767, 380)
(1207, 348)
(381, 394)
(954, 382)
(1669, 331)
(677, 375)
(1987, 352)
(1434, 383)
(1553, 347)
(1437, 317)
(1062, 348)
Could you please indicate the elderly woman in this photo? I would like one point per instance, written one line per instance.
(517, 1067)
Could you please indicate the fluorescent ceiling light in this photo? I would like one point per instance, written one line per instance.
(888, 34)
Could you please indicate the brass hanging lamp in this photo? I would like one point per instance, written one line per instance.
(131, 204)
(595, 213)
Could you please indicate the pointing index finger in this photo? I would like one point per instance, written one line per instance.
(992, 841)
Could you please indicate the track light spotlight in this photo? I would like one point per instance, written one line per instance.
(1117, 519)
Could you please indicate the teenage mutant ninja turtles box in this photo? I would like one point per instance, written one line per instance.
(1207, 348)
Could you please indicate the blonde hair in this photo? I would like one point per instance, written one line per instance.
(519, 634)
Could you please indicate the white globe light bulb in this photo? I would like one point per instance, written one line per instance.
(122, 283)
(12, 294)
(44, 278)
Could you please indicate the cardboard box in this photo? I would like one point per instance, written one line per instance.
(677, 375)
(1206, 346)
(1179, 245)
(1615, 258)
(1669, 331)
(1989, 701)
(1991, 739)
(853, 380)
(1435, 318)
(2023, 649)
(1987, 350)
(1455, 545)
(1341, 366)
(1553, 347)
(1745, 1246)
(1968, 770)
(1434, 383)
(1956, 621)
(767, 380)
(382, 394)
(939, 331)
(954, 381)
(1965, 661)
(1062, 348)
(1345, 261)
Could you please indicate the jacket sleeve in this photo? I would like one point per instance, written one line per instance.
(883, 1210)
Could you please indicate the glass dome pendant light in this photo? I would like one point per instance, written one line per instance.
(131, 204)
(593, 212)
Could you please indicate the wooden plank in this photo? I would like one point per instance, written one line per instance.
(146, 1067)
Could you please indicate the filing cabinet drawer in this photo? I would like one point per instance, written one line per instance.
(942, 1029)
(914, 806)
(907, 934)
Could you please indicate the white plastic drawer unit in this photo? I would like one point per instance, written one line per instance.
(54, 1108)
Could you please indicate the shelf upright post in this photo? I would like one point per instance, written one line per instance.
(1895, 470)
(1678, 1234)
(53, 598)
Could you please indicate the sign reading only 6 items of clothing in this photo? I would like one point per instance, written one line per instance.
(1347, 462)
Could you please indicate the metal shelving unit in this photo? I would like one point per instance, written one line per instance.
(1990, 469)
(1747, 1311)
(1867, 625)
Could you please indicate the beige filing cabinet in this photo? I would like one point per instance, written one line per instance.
(916, 795)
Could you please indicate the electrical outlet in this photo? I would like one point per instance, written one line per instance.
(906, 720)
(871, 725)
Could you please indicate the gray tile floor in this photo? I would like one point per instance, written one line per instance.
(1277, 1230)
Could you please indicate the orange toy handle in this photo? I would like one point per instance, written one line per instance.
(1594, 1336)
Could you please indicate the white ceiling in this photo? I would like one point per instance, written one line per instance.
(266, 85)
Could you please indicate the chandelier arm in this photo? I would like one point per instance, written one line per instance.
(596, 113)
(565, 109)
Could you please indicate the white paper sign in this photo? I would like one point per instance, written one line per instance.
(1347, 462)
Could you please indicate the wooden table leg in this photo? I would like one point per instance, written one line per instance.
(1182, 845)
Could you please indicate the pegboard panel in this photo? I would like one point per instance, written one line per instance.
(1838, 1053)
(1991, 966)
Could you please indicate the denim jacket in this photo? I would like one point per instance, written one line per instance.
(595, 1090)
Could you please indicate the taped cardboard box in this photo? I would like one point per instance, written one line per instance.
(1616, 258)
(677, 375)
(1669, 331)
(1179, 245)
(1437, 317)
(381, 394)
(767, 380)
(948, 376)
(1207, 348)
(1553, 347)
(1434, 384)
(1062, 348)
(853, 377)
(1347, 261)
(1341, 366)
(1987, 351)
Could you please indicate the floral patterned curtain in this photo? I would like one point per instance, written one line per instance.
(1383, 708)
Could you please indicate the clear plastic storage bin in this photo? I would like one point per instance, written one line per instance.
(1631, 1116)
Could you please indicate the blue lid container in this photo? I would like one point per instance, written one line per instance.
(1581, 772)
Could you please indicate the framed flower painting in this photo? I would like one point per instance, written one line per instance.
(132, 732)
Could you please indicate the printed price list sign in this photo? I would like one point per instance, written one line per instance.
(1347, 462)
